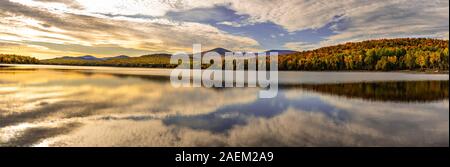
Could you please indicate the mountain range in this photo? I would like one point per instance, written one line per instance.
(89, 57)
(220, 51)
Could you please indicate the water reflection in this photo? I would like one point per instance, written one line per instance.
(227, 117)
(67, 108)
(404, 91)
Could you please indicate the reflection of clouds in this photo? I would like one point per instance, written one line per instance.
(128, 94)
(133, 133)
(368, 124)
(59, 96)
(227, 117)
(296, 128)
(29, 76)
(102, 110)
(292, 128)
(30, 136)
(414, 121)
(407, 122)
(314, 129)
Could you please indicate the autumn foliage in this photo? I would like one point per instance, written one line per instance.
(383, 55)
(17, 59)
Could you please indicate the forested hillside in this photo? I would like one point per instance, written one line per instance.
(385, 55)
(17, 59)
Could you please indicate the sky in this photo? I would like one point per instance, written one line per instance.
(103, 28)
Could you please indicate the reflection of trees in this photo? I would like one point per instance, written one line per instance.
(410, 91)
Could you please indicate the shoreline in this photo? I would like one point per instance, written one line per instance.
(161, 68)
(284, 77)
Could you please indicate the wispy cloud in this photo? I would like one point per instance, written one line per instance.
(300, 46)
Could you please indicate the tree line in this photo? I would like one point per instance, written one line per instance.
(17, 59)
(382, 55)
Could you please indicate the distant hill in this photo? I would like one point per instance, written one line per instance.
(152, 60)
(161, 55)
(116, 57)
(222, 51)
(87, 57)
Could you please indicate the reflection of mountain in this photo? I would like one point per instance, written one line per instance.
(407, 91)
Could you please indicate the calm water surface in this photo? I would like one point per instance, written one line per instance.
(67, 107)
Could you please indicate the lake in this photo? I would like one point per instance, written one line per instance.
(106, 106)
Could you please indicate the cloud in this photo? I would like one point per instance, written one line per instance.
(300, 46)
(229, 23)
(93, 30)
(70, 3)
(201, 15)
(9, 44)
(108, 49)
(364, 20)
(396, 19)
